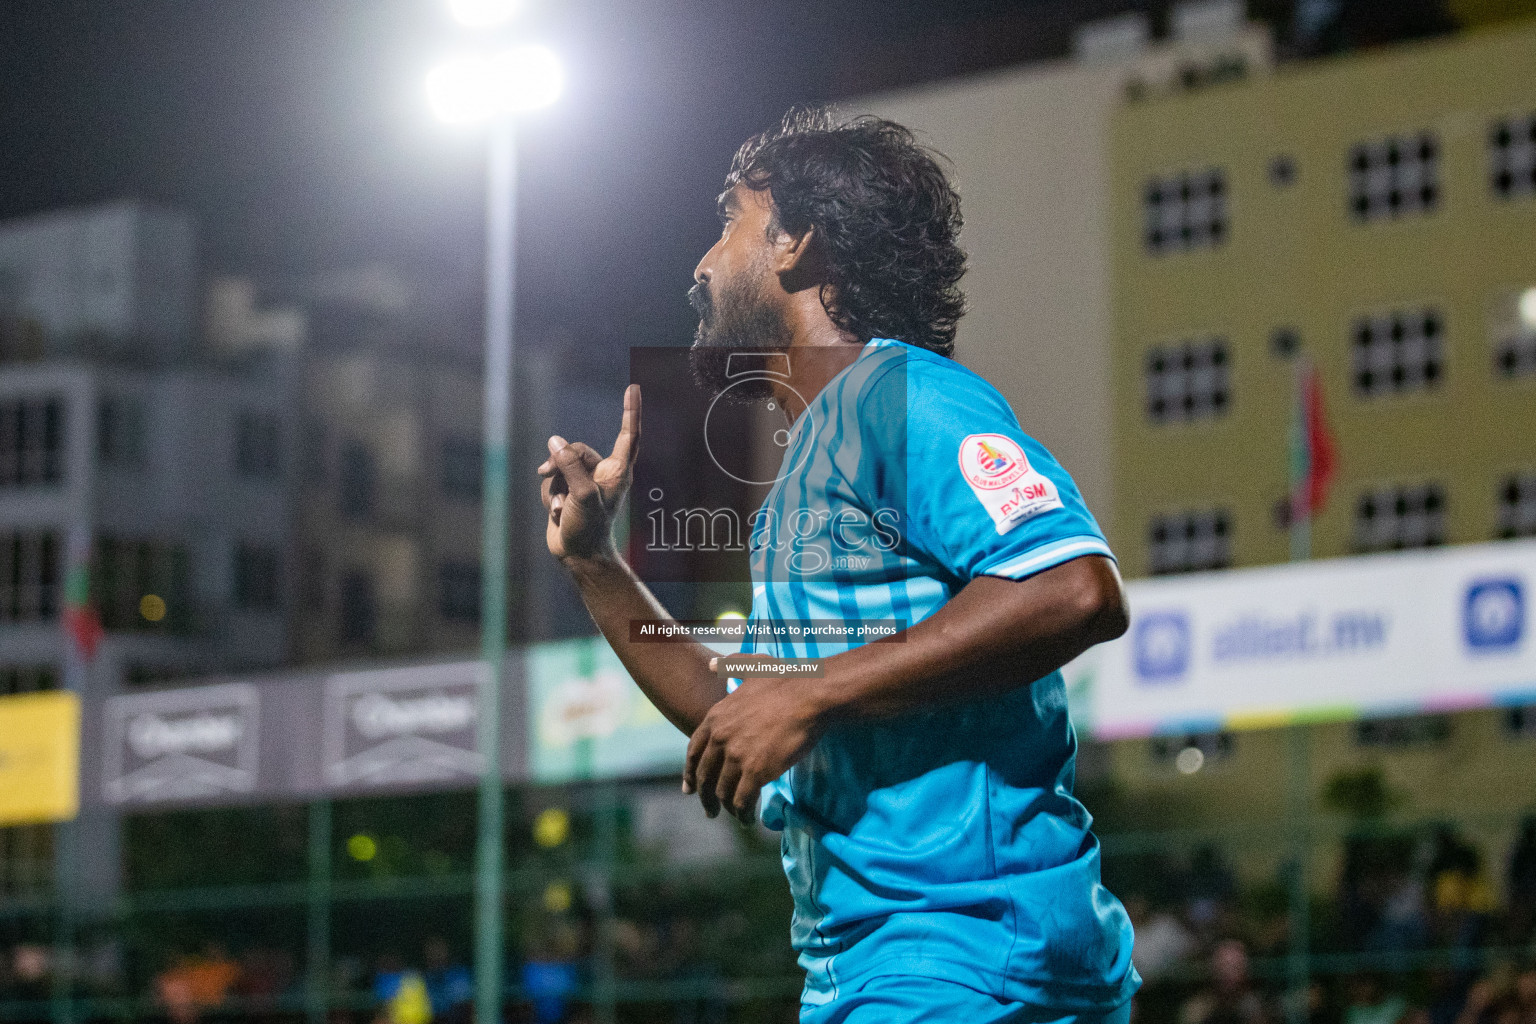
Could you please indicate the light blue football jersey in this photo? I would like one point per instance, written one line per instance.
(944, 843)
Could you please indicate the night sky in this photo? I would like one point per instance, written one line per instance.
(297, 130)
(298, 133)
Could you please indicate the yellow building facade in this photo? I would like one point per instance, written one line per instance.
(1373, 216)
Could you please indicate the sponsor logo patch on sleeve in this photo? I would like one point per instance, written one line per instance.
(1004, 482)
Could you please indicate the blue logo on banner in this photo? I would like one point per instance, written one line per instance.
(1162, 646)
(1493, 617)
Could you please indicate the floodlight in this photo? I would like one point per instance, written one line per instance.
(530, 77)
(473, 88)
(463, 90)
(1528, 308)
(483, 13)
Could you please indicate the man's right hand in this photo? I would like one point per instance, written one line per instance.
(582, 491)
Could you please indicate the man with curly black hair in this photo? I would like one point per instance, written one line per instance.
(941, 868)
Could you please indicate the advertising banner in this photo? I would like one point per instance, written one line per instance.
(1375, 635)
(588, 719)
(196, 743)
(39, 757)
(412, 726)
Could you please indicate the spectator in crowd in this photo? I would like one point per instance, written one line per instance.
(401, 993)
(265, 974)
(1447, 993)
(549, 977)
(194, 984)
(1525, 993)
(212, 975)
(549, 984)
(1491, 999)
(174, 992)
(1461, 896)
(450, 986)
(1521, 880)
(1229, 996)
(31, 970)
(1163, 943)
(1380, 892)
(1372, 1001)
(1209, 888)
(1502, 996)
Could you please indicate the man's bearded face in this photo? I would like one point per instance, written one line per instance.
(735, 317)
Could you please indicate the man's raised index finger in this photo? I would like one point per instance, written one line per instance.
(629, 429)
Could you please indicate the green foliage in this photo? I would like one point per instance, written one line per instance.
(227, 845)
(1362, 793)
(430, 834)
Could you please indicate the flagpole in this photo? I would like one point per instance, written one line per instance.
(1298, 739)
(1300, 525)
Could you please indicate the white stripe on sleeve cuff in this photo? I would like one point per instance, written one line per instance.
(1049, 555)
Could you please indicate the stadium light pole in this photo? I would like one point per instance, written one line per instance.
(492, 90)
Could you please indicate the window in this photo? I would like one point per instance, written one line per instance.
(1188, 381)
(315, 467)
(1520, 722)
(1395, 517)
(1284, 342)
(312, 580)
(358, 480)
(145, 674)
(1282, 171)
(1517, 506)
(127, 571)
(461, 468)
(31, 442)
(1185, 211)
(1191, 542)
(258, 444)
(1394, 177)
(1512, 329)
(358, 609)
(29, 577)
(1512, 157)
(257, 576)
(27, 678)
(120, 432)
(1397, 733)
(1397, 352)
(459, 591)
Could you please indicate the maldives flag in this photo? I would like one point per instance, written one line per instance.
(81, 619)
(1314, 455)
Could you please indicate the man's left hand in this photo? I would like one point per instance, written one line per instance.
(746, 741)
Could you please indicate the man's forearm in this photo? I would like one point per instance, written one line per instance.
(675, 676)
(992, 636)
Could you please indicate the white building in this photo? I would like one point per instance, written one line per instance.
(115, 438)
(116, 278)
(122, 448)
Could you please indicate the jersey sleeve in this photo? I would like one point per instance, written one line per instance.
(974, 493)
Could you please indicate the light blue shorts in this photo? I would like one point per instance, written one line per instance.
(903, 999)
